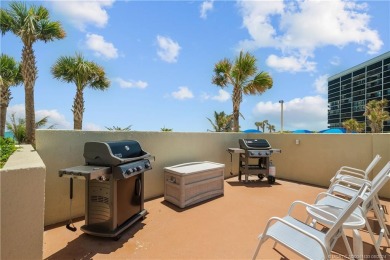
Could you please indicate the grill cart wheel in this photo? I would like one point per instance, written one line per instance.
(271, 179)
(261, 176)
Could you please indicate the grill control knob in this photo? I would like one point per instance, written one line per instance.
(139, 168)
(147, 165)
(134, 169)
(129, 171)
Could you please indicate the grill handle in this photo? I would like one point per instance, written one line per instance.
(70, 225)
(138, 187)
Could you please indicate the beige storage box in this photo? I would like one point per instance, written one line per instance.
(190, 183)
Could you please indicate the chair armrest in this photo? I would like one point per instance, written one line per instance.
(351, 169)
(350, 183)
(343, 172)
(326, 194)
(325, 213)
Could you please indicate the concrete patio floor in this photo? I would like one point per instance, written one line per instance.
(222, 228)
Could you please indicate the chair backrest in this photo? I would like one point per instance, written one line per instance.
(372, 165)
(378, 182)
(345, 213)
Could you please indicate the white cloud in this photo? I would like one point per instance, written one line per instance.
(309, 112)
(205, 7)
(131, 83)
(205, 96)
(297, 28)
(290, 64)
(222, 96)
(100, 47)
(168, 49)
(18, 110)
(321, 84)
(182, 93)
(335, 61)
(92, 127)
(82, 13)
(54, 117)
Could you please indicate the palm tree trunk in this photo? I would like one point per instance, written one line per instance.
(29, 72)
(237, 96)
(78, 109)
(5, 97)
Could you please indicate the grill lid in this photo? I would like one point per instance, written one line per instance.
(113, 153)
(260, 144)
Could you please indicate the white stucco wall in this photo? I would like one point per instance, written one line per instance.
(22, 205)
(314, 160)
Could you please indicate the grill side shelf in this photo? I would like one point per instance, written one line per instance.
(86, 172)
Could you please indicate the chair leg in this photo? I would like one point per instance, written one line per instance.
(357, 244)
(384, 232)
(347, 245)
(382, 211)
(258, 247)
(378, 250)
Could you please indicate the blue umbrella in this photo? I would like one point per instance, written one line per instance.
(251, 131)
(302, 131)
(333, 131)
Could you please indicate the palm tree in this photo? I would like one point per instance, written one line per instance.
(9, 76)
(164, 129)
(243, 76)
(18, 127)
(263, 125)
(118, 128)
(376, 114)
(352, 125)
(271, 128)
(84, 74)
(258, 124)
(222, 122)
(30, 25)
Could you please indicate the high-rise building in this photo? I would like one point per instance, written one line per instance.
(349, 91)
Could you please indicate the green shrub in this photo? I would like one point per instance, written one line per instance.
(7, 147)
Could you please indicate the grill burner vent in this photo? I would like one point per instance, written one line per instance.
(100, 199)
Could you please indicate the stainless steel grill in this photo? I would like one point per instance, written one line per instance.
(114, 187)
(254, 158)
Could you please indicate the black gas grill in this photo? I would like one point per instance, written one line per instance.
(254, 159)
(114, 188)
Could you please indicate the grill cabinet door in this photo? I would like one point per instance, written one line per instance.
(129, 198)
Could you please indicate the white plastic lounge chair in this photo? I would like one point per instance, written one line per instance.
(345, 172)
(357, 176)
(368, 204)
(304, 239)
(355, 183)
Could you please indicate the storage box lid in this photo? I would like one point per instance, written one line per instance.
(194, 167)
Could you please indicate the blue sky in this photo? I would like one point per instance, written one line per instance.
(159, 57)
